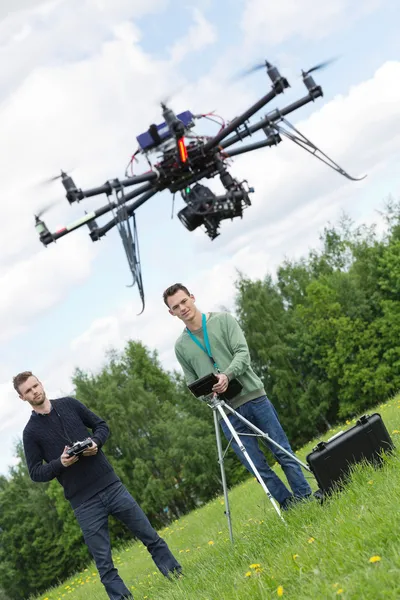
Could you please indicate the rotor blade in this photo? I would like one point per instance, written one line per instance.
(322, 65)
(250, 70)
(166, 98)
(46, 208)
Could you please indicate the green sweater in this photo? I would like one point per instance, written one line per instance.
(229, 350)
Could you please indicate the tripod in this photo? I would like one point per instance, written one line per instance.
(217, 405)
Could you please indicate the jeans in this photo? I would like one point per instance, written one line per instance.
(92, 517)
(263, 415)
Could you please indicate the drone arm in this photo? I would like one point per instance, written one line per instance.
(275, 115)
(75, 195)
(46, 238)
(271, 141)
(215, 141)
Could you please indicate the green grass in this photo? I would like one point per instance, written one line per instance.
(323, 552)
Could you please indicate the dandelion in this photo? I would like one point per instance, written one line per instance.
(210, 543)
(255, 566)
(296, 556)
(248, 574)
(340, 591)
(311, 540)
(279, 591)
(370, 482)
(374, 559)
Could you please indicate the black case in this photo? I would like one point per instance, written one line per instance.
(331, 461)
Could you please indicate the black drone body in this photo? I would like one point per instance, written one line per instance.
(184, 159)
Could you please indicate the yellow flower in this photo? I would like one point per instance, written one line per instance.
(340, 591)
(311, 540)
(280, 590)
(374, 559)
(254, 566)
(210, 543)
(248, 574)
(295, 556)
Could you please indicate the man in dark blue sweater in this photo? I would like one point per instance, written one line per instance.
(90, 483)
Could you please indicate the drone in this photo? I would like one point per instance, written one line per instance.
(182, 160)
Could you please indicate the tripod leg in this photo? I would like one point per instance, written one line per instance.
(246, 454)
(223, 477)
(264, 435)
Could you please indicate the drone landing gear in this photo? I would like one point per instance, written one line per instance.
(130, 241)
(301, 140)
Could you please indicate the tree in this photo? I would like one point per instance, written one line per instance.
(33, 555)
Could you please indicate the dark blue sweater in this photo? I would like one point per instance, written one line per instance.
(45, 437)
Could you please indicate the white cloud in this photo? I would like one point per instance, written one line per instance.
(38, 283)
(202, 33)
(9, 8)
(274, 22)
(71, 115)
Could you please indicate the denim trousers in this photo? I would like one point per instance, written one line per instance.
(261, 413)
(92, 517)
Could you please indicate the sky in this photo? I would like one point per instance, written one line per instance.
(82, 78)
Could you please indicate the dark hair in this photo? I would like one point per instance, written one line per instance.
(172, 289)
(21, 378)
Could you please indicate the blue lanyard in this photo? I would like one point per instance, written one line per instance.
(206, 349)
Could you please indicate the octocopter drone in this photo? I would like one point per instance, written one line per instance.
(182, 160)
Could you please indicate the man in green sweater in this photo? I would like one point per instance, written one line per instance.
(214, 342)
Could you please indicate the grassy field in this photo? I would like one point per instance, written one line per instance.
(348, 548)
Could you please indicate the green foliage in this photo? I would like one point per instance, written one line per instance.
(324, 336)
(33, 554)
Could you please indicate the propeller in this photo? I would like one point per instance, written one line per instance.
(55, 178)
(250, 70)
(322, 65)
(167, 97)
(266, 65)
(46, 208)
